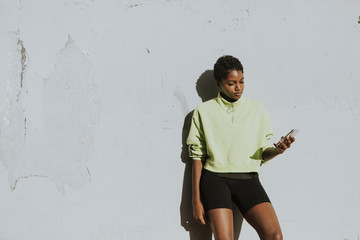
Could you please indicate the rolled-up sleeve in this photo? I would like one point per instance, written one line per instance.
(268, 134)
(196, 138)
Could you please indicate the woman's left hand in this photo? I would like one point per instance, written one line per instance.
(284, 143)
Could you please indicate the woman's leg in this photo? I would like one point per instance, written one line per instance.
(237, 221)
(221, 222)
(263, 219)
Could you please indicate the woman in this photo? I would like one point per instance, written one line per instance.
(229, 140)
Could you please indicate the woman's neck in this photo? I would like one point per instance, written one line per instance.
(227, 98)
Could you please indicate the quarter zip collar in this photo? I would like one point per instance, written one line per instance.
(229, 107)
(226, 104)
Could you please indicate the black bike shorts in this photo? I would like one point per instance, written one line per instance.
(219, 192)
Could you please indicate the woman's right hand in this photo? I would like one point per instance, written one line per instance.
(199, 212)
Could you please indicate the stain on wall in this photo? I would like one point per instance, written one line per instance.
(60, 126)
(180, 96)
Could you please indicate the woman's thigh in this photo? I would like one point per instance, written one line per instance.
(216, 198)
(221, 222)
(263, 219)
(215, 192)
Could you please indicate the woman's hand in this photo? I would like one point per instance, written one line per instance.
(284, 143)
(199, 212)
(279, 148)
(198, 208)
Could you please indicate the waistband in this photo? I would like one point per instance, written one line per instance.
(247, 175)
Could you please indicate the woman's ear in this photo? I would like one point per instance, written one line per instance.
(217, 84)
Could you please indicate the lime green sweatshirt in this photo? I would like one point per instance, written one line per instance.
(230, 137)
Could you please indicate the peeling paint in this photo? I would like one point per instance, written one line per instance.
(71, 111)
(59, 134)
(244, 13)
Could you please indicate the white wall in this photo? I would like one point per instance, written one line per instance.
(94, 95)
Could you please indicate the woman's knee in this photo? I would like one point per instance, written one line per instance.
(277, 236)
(273, 235)
(223, 234)
(224, 237)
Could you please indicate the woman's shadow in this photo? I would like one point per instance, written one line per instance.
(206, 89)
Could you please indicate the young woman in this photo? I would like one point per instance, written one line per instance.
(229, 140)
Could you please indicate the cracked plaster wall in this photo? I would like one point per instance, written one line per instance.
(94, 94)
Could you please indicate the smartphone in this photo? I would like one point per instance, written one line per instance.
(293, 132)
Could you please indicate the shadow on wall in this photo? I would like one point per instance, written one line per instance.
(207, 89)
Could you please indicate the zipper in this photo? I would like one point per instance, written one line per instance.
(231, 111)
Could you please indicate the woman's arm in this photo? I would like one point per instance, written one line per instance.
(272, 152)
(198, 209)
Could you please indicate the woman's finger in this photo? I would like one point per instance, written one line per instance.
(288, 142)
(202, 220)
(278, 148)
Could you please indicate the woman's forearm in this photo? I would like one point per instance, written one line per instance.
(270, 153)
(198, 208)
(196, 175)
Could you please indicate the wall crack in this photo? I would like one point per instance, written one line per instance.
(18, 179)
(89, 173)
(23, 62)
(25, 128)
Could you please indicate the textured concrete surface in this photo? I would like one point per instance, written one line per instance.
(95, 100)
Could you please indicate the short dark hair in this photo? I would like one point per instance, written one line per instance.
(224, 65)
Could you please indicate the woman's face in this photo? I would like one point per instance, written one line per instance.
(233, 85)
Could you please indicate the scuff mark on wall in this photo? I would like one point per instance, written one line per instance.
(162, 85)
(89, 173)
(83, 4)
(59, 128)
(135, 5)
